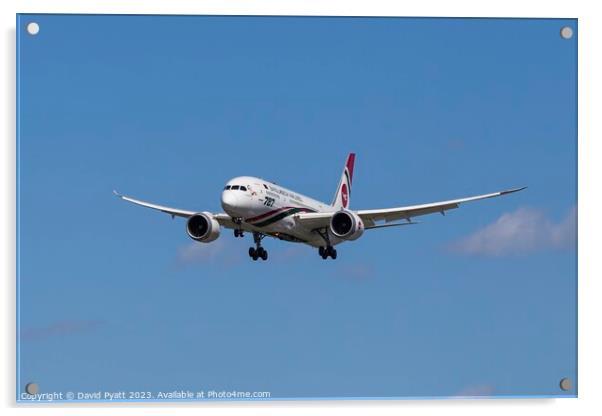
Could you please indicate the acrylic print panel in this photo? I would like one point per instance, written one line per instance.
(195, 116)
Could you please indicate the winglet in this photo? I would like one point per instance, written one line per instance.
(511, 191)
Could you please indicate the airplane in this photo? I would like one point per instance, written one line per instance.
(263, 208)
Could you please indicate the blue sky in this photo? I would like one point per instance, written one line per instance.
(116, 297)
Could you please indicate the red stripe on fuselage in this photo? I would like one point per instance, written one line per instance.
(267, 214)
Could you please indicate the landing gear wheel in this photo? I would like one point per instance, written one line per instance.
(262, 253)
(257, 251)
(253, 253)
(238, 233)
(327, 252)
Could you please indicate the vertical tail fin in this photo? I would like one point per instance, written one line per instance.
(343, 195)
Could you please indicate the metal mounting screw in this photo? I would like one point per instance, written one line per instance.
(566, 32)
(33, 28)
(565, 384)
(31, 388)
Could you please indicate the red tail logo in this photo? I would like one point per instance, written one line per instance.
(349, 166)
(344, 195)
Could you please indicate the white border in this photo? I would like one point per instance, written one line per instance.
(589, 138)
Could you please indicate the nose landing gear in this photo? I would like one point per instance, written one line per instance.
(238, 231)
(258, 251)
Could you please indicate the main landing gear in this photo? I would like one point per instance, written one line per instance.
(328, 251)
(258, 251)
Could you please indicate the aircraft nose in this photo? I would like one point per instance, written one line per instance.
(228, 201)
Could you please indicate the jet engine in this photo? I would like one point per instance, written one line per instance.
(346, 225)
(202, 227)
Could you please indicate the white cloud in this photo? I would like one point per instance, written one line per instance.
(220, 251)
(356, 270)
(522, 231)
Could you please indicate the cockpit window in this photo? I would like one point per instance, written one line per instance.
(265, 186)
(236, 188)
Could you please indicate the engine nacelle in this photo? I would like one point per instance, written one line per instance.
(202, 227)
(346, 225)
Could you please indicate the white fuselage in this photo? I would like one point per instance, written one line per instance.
(269, 209)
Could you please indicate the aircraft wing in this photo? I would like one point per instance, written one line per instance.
(370, 216)
(314, 220)
(223, 219)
